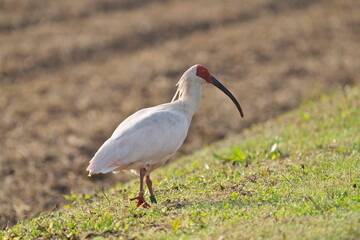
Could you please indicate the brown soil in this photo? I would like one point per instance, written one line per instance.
(71, 71)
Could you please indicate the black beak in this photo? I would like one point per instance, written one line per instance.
(217, 84)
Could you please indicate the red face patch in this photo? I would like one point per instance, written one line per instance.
(203, 72)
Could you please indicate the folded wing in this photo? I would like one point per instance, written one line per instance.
(148, 137)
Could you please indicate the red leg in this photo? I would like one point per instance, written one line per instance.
(149, 184)
(140, 197)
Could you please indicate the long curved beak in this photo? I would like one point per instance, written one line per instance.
(218, 84)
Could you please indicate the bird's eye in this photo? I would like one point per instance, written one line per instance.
(203, 70)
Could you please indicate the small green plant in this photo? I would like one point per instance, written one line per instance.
(175, 225)
(305, 116)
(77, 197)
(274, 152)
(236, 158)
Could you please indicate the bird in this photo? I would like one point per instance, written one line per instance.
(148, 138)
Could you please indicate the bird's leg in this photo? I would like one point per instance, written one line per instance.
(149, 184)
(140, 197)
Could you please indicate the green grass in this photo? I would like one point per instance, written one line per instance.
(296, 177)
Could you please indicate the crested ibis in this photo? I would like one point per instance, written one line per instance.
(147, 139)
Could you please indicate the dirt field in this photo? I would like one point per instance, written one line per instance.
(71, 71)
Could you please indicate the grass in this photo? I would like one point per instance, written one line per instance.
(296, 177)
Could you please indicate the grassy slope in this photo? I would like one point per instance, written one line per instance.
(295, 177)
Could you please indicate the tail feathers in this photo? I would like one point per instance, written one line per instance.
(96, 168)
(93, 171)
(109, 169)
(90, 169)
(102, 158)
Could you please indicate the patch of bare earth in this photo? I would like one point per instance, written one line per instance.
(71, 71)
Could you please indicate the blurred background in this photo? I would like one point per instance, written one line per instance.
(71, 71)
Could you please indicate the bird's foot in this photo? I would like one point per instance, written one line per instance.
(141, 201)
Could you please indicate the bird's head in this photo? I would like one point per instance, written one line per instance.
(203, 73)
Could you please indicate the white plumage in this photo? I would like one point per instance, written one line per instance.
(147, 139)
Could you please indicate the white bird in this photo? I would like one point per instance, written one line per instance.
(147, 139)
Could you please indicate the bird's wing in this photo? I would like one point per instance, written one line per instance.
(146, 138)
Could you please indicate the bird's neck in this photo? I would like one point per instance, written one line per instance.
(189, 95)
